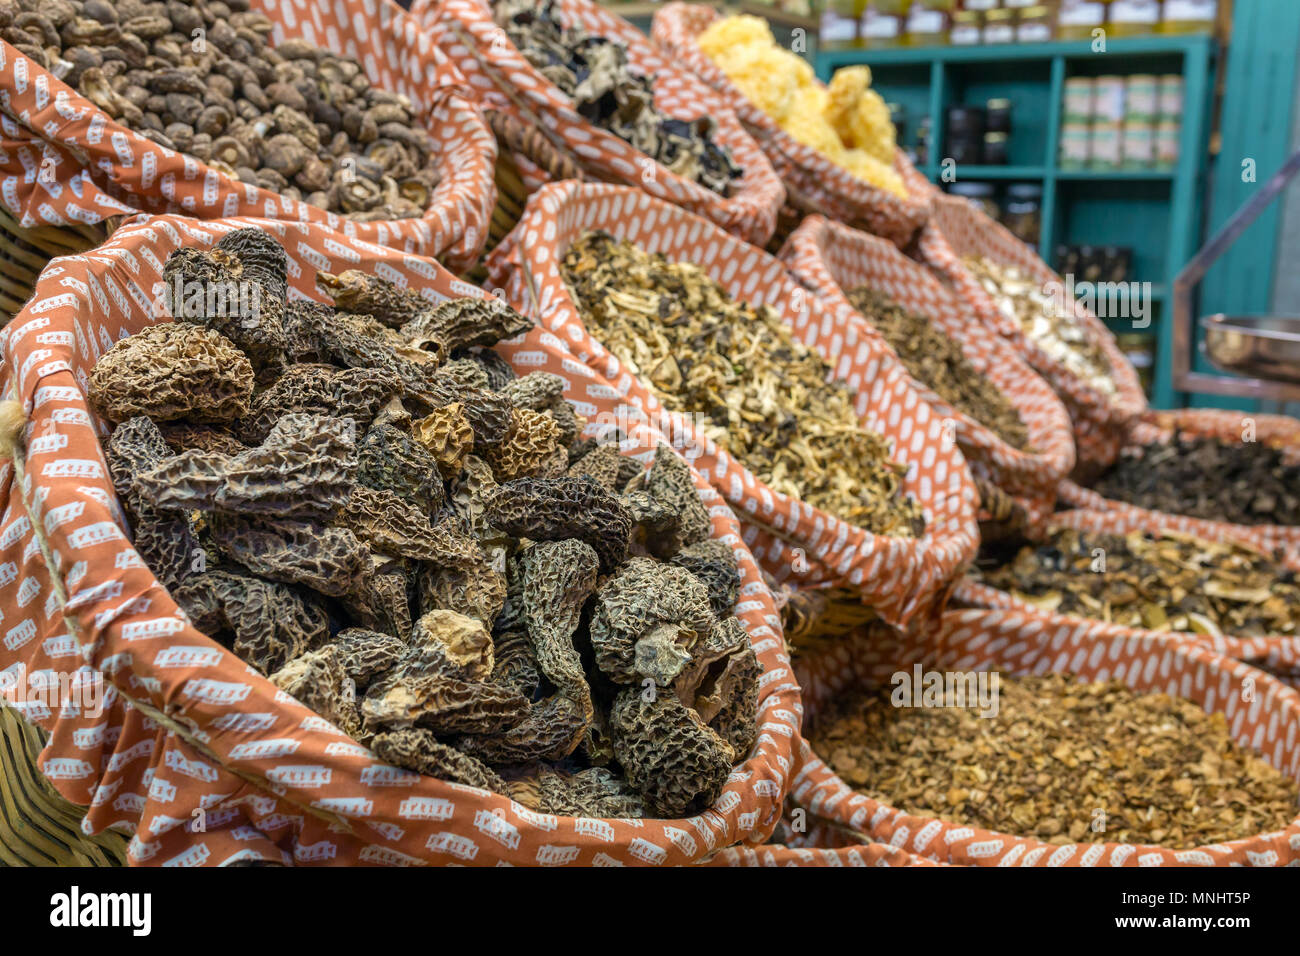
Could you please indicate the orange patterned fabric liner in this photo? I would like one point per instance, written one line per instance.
(901, 578)
(92, 167)
(864, 853)
(1015, 643)
(189, 727)
(833, 190)
(1101, 423)
(750, 212)
(829, 258)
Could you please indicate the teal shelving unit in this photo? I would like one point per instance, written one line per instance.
(1155, 212)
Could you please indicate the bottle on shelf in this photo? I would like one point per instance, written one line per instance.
(1079, 18)
(1190, 16)
(1131, 18)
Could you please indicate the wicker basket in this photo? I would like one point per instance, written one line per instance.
(25, 251)
(38, 827)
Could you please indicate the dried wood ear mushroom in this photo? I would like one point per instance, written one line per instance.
(1243, 482)
(1162, 582)
(204, 79)
(937, 361)
(593, 71)
(397, 531)
(758, 393)
(1058, 759)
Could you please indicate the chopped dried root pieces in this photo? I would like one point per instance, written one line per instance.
(1064, 761)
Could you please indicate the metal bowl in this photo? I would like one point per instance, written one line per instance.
(1261, 346)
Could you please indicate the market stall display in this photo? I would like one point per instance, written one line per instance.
(577, 62)
(834, 156)
(192, 703)
(251, 108)
(902, 574)
(485, 435)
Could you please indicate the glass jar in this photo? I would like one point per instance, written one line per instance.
(999, 27)
(1076, 145)
(1023, 212)
(1035, 25)
(980, 194)
(1131, 18)
(966, 29)
(994, 152)
(926, 26)
(1189, 16)
(879, 30)
(1078, 18)
(997, 117)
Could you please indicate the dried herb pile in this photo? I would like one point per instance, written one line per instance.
(761, 395)
(937, 361)
(1061, 758)
(593, 71)
(364, 503)
(1023, 300)
(1204, 477)
(1167, 582)
(202, 78)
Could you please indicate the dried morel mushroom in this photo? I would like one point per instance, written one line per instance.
(172, 371)
(763, 396)
(392, 529)
(204, 79)
(938, 362)
(593, 71)
(1158, 582)
(1245, 482)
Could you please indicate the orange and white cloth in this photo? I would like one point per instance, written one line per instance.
(483, 52)
(830, 258)
(64, 160)
(197, 756)
(902, 578)
(810, 175)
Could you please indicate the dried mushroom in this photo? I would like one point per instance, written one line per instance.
(205, 79)
(1164, 582)
(758, 393)
(593, 71)
(1040, 316)
(172, 371)
(938, 362)
(1245, 482)
(390, 527)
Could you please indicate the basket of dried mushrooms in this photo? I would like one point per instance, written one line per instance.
(1002, 739)
(838, 469)
(1012, 429)
(833, 146)
(1015, 294)
(356, 589)
(241, 107)
(607, 104)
